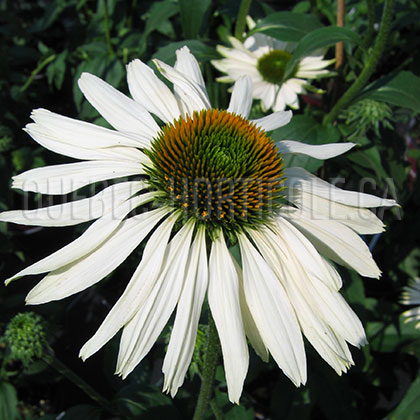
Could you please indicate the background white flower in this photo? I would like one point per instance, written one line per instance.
(411, 296)
(264, 59)
(286, 285)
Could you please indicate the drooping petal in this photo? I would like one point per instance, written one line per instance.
(325, 329)
(121, 112)
(336, 241)
(331, 348)
(289, 93)
(328, 301)
(181, 344)
(93, 267)
(139, 287)
(190, 93)
(94, 236)
(272, 313)
(144, 328)
(241, 99)
(274, 120)
(223, 296)
(75, 212)
(361, 220)
(63, 179)
(301, 179)
(146, 88)
(309, 257)
(251, 330)
(323, 151)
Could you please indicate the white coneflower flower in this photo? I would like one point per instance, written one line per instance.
(411, 296)
(264, 59)
(210, 178)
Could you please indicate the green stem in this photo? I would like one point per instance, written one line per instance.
(241, 19)
(107, 31)
(218, 415)
(370, 66)
(371, 23)
(60, 367)
(36, 71)
(209, 370)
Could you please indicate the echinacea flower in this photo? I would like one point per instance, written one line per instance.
(264, 59)
(210, 178)
(411, 296)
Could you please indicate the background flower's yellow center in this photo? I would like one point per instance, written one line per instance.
(218, 168)
(272, 65)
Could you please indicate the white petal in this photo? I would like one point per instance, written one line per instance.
(187, 64)
(83, 134)
(299, 178)
(95, 235)
(94, 266)
(272, 313)
(143, 330)
(412, 314)
(411, 293)
(279, 102)
(361, 220)
(337, 242)
(152, 93)
(190, 93)
(235, 70)
(121, 112)
(317, 324)
(184, 331)
(309, 257)
(323, 151)
(313, 65)
(75, 212)
(251, 330)
(63, 179)
(289, 93)
(274, 120)
(223, 296)
(139, 287)
(328, 302)
(51, 141)
(241, 99)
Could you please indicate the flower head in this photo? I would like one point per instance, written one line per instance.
(411, 296)
(26, 337)
(265, 59)
(210, 178)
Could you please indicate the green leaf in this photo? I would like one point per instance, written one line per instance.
(193, 15)
(401, 89)
(82, 412)
(305, 129)
(57, 69)
(409, 407)
(201, 51)
(370, 158)
(320, 38)
(333, 393)
(51, 14)
(159, 12)
(240, 413)
(395, 336)
(287, 26)
(8, 401)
